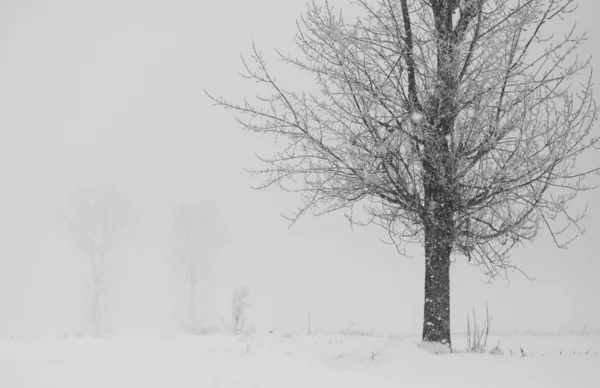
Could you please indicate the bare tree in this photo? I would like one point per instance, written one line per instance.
(99, 221)
(239, 309)
(196, 235)
(450, 123)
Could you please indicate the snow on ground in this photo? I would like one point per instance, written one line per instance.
(280, 361)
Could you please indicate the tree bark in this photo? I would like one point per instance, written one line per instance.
(436, 317)
(192, 301)
(439, 234)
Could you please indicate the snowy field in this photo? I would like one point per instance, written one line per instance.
(281, 361)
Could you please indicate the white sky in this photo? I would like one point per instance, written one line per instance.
(101, 91)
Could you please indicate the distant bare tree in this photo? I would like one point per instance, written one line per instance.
(450, 123)
(196, 235)
(98, 220)
(239, 309)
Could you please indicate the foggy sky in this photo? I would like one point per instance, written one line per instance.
(112, 91)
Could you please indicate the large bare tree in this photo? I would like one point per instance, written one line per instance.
(196, 234)
(99, 221)
(453, 124)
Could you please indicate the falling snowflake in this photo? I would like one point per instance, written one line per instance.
(416, 117)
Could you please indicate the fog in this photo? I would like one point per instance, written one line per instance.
(111, 92)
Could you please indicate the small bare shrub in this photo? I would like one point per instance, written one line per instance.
(581, 331)
(374, 356)
(477, 337)
(496, 350)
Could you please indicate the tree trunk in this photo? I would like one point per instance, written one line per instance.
(95, 302)
(95, 313)
(192, 302)
(436, 318)
(439, 235)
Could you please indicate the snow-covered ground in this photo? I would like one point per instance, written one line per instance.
(281, 361)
